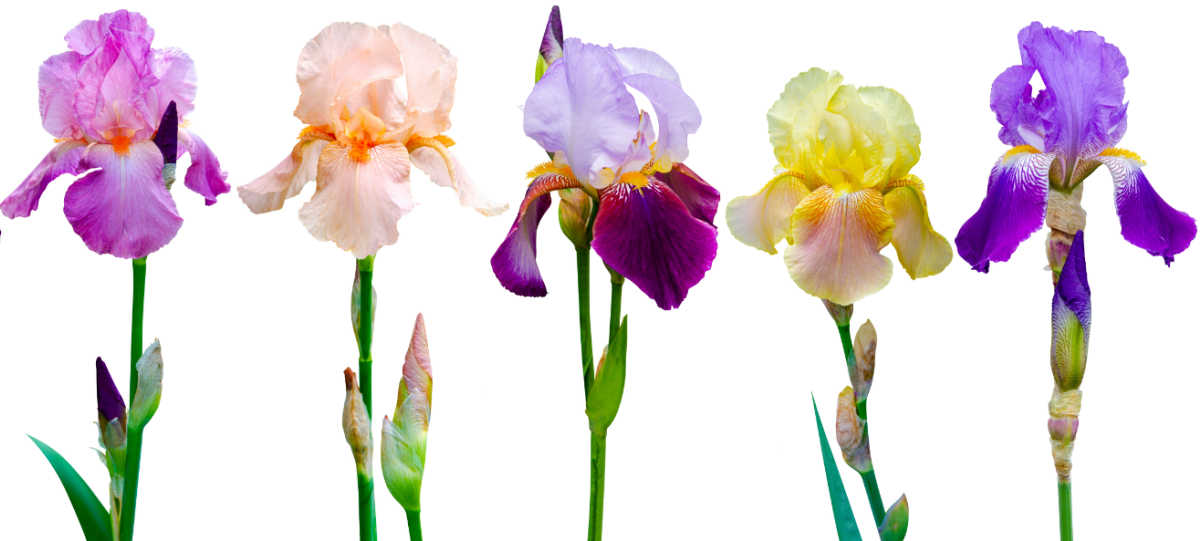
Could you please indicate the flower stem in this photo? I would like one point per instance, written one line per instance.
(872, 487)
(870, 484)
(366, 323)
(366, 507)
(1064, 511)
(414, 525)
(596, 506)
(583, 255)
(614, 309)
(133, 449)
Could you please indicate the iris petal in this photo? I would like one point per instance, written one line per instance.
(837, 242)
(515, 261)
(444, 169)
(761, 220)
(123, 208)
(1014, 208)
(204, 175)
(699, 196)
(357, 204)
(267, 193)
(649, 236)
(63, 159)
(1147, 221)
(922, 251)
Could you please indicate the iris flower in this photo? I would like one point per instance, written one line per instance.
(654, 224)
(843, 190)
(1059, 138)
(102, 100)
(376, 101)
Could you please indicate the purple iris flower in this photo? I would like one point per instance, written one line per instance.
(103, 100)
(1059, 137)
(654, 222)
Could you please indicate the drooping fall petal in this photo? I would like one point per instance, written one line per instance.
(835, 255)
(357, 204)
(444, 168)
(123, 208)
(762, 220)
(204, 175)
(649, 236)
(922, 251)
(1147, 221)
(268, 192)
(64, 159)
(515, 261)
(1014, 208)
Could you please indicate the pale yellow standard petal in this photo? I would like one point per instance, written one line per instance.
(761, 220)
(267, 193)
(358, 203)
(922, 251)
(429, 72)
(901, 144)
(794, 120)
(338, 72)
(444, 169)
(837, 242)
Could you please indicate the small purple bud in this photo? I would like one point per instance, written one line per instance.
(1071, 319)
(108, 398)
(552, 40)
(167, 136)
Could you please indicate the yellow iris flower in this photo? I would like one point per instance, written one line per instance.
(843, 191)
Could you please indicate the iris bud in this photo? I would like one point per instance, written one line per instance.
(166, 138)
(405, 435)
(865, 341)
(356, 424)
(852, 433)
(575, 208)
(895, 522)
(552, 44)
(149, 386)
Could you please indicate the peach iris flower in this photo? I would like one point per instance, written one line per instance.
(843, 190)
(376, 101)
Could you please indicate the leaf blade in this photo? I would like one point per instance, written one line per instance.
(93, 518)
(843, 515)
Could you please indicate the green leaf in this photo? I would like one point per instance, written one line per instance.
(843, 515)
(93, 517)
(604, 399)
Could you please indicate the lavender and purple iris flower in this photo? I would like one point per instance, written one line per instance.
(654, 223)
(1060, 137)
(102, 100)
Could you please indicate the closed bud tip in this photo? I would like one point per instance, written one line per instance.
(895, 522)
(551, 48)
(108, 398)
(356, 424)
(575, 209)
(865, 341)
(149, 386)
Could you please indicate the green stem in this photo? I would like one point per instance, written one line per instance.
(583, 256)
(366, 323)
(614, 308)
(1064, 511)
(847, 347)
(872, 486)
(414, 525)
(596, 504)
(133, 445)
(366, 507)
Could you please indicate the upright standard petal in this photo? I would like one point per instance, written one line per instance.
(677, 114)
(699, 196)
(338, 69)
(63, 159)
(204, 176)
(123, 208)
(1012, 101)
(515, 261)
(57, 86)
(1014, 208)
(444, 169)
(922, 251)
(582, 108)
(1147, 221)
(267, 193)
(837, 239)
(358, 203)
(1084, 100)
(429, 73)
(797, 116)
(176, 76)
(649, 236)
(762, 220)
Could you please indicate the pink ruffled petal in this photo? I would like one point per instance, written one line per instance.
(176, 76)
(429, 72)
(358, 204)
(204, 175)
(63, 159)
(452, 174)
(56, 95)
(123, 208)
(267, 193)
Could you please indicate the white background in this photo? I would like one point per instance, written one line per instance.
(715, 439)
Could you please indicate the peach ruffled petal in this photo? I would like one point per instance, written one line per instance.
(338, 71)
(444, 169)
(267, 193)
(358, 203)
(429, 72)
(837, 242)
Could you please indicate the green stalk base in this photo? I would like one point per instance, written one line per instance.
(366, 508)
(1064, 511)
(596, 504)
(414, 525)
